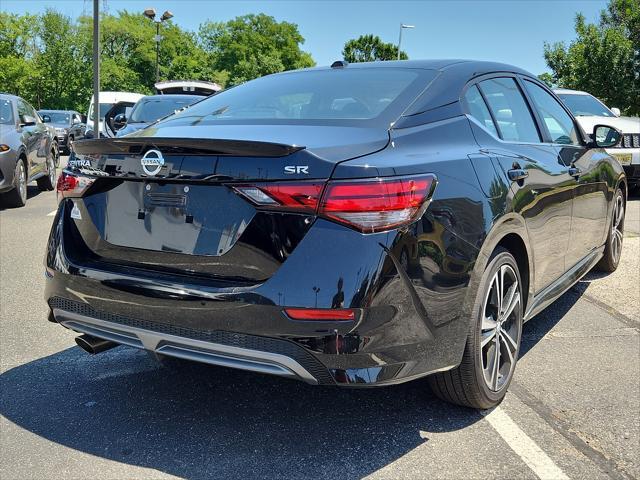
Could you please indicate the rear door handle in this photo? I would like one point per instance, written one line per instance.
(517, 174)
(575, 171)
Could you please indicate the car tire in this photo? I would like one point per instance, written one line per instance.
(17, 197)
(613, 248)
(494, 335)
(55, 151)
(48, 182)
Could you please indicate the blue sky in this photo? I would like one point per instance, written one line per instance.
(510, 31)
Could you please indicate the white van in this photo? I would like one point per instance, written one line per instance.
(107, 101)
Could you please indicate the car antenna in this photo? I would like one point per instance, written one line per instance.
(339, 64)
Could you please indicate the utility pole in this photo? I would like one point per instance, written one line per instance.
(96, 68)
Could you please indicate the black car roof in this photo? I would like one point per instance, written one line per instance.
(457, 64)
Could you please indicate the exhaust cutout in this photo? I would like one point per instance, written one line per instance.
(94, 345)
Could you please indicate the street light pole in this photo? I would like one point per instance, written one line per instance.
(96, 68)
(402, 27)
(150, 13)
(157, 52)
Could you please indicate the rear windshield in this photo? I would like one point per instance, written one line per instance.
(585, 105)
(360, 96)
(57, 117)
(149, 110)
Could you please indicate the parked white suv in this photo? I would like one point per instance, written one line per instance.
(590, 111)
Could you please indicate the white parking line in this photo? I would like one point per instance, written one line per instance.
(52, 214)
(538, 461)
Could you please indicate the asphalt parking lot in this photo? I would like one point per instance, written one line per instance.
(573, 410)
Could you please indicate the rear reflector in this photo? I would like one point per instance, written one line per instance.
(299, 196)
(321, 314)
(368, 205)
(70, 185)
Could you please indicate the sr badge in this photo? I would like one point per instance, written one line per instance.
(152, 162)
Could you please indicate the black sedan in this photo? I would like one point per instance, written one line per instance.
(69, 127)
(358, 225)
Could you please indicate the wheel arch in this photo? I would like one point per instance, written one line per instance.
(511, 234)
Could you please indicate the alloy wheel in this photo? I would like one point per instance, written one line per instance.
(501, 328)
(617, 228)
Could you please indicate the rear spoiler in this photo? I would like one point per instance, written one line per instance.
(185, 146)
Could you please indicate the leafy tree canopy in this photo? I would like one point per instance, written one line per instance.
(604, 59)
(251, 46)
(370, 48)
(47, 58)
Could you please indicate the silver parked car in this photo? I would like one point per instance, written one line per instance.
(27, 151)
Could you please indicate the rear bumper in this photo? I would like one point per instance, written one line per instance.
(229, 350)
(409, 323)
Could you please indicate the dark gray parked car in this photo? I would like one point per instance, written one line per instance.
(27, 151)
(69, 127)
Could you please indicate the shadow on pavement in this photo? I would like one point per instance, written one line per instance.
(535, 329)
(199, 421)
(32, 191)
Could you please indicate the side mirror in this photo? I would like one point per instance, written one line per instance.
(27, 121)
(605, 136)
(46, 118)
(119, 121)
(615, 111)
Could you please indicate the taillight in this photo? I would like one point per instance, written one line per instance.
(368, 205)
(321, 314)
(294, 196)
(70, 185)
(377, 204)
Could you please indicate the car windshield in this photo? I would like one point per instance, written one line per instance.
(6, 113)
(104, 108)
(151, 109)
(57, 117)
(357, 96)
(585, 105)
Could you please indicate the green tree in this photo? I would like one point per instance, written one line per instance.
(604, 59)
(370, 48)
(251, 46)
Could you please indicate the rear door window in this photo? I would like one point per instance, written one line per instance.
(509, 108)
(478, 109)
(557, 121)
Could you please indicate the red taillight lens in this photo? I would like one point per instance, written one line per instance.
(369, 205)
(377, 204)
(301, 197)
(321, 314)
(70, 185)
